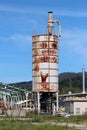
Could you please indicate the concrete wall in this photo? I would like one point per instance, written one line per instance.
(16, 112)
(80, 108)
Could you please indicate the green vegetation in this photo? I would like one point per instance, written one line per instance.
(40, 122)
(25, 125)
(67, 82)
(50, 118)
(23, 85)
(71, 82)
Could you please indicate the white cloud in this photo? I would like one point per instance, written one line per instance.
(20, 41)
(39, 10)
(21, 38)
(42, 11)
(6, 8)
(76, 40)
(31, 9)
(73, 50)
(17, 37)
(71, 13)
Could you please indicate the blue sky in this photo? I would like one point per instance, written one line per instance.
(19, 19)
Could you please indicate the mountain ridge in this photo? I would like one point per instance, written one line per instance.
(68, 81)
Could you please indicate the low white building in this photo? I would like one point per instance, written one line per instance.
(74, 103)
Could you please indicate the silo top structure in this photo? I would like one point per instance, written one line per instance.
(45, 59)
(51, 21)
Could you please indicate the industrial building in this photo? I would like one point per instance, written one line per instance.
(45, 67)
(45, 86)
(74, 103)
(44, 72)
(12, 99)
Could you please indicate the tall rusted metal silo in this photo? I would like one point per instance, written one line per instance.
(45, 62)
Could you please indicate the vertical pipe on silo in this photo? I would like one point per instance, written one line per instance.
(50, 23)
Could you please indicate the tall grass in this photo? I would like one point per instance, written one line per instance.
(25, 125)
(39, 122)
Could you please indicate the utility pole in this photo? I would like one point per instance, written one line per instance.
(83, 79)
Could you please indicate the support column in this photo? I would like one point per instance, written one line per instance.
(38, 102)
(26, 94)
(4, 99)
(57, 102)
(11, 102)
(18, 97)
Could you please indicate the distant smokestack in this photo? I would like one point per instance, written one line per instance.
(83, 79)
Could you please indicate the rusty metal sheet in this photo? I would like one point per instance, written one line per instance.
(46, 79)
(41, 65)
(48, 38)
(44, 37)
(40, 59)
(45, 87)
(51, 73)
(44, 52)
(38, 73)
(45, 63)
(45, 45)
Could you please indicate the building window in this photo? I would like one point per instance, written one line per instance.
(77, 110)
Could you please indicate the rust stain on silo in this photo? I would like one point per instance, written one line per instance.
(44, 45)
(54, 45)
(36, 68)
(43, 77)
(44, 52)
(45, 58)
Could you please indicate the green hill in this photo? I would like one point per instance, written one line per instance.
(67, 82)
(23, 85)
(71, 82)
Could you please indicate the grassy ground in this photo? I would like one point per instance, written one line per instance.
(40, 122)
(72, 119)
(23, 125)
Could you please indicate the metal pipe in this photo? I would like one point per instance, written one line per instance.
(57, 102)
(50, 23)
(26, 94)
(38, 98)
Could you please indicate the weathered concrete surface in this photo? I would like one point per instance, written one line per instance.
(15, 113)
